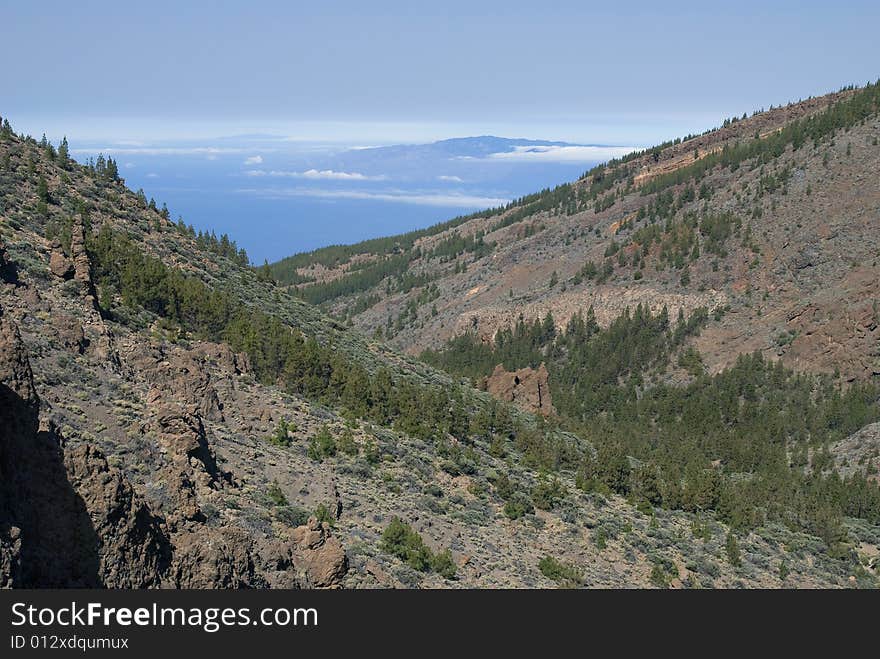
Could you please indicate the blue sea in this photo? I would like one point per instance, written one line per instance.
(277, 198)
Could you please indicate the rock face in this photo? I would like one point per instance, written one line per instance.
(59, 264)
(134, 550)
(183, 377)
(70, 333)
(82, 268)
(607, 302)
(66, 518)
(70, 519)
(528, 388)
(15, 369)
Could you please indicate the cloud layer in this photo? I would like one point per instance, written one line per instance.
(428, 198)
(563, 153)
(164, 150)
(317, 175)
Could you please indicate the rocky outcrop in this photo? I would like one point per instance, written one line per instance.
(18, 414)
(214, 559)
(134, 550)
(183, 378)
(15, 371)
(66, 517)
(222, 359)
(97, 335)
(190, 464)
(69, 518)
(859, 453)
(70, 333)
(527, 388)
(318, 555)
(82, 267)
(59, 264)
(313, 558)
(608, 303)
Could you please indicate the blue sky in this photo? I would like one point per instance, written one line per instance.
(249, 117)
(402, 71)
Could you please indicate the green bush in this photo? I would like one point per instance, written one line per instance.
(281, 436)
(659, 577)
(324, 514)
(276, 495)
(519, 505)
(444, 565)
(400, 540)
(346, 443)
(548, 492)
(322, 445)
(561, 573)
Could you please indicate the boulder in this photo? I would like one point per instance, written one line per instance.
(59, 264)
(318, 555)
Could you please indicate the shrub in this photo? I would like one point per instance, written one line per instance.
(276, 495)
(322, 445)
(503, 487)
(547, 493)
(731, 548)
(324, 514)
(444, 565)
(519, 505)
(281, 436)
(400, 540)
(346, 443)
(659, 578)
(562, 573)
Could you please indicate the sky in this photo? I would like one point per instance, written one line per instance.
(187, 96)
(594, 72)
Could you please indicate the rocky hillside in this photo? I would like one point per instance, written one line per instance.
(173, 418)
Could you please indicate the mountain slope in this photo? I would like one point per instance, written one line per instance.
(793, 256)
(172, 418)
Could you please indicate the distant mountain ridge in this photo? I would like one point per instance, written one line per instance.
(477, 147)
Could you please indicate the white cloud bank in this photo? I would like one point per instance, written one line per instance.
(317, 175)
(563, 153)
(165, 150)
(449, 200)
(450, 179)
(254, 160)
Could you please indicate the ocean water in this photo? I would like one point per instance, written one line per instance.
(276, 198)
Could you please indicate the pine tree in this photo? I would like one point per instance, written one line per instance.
(112, 171)
(42, 190)
(63, 153)
(731, 548)
(264, 274)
